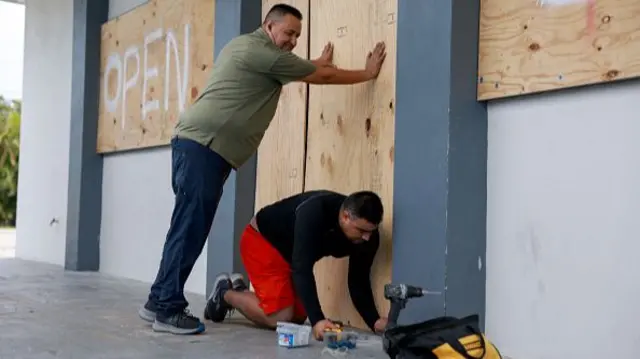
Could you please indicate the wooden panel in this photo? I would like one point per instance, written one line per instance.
(351, 133)
(155, 60)
(529, 46)
(280, 162)
(280, 167)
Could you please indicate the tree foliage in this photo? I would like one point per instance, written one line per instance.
(9, 155)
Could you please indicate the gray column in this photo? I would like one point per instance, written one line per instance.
(439, 236)
(233, 17)
(85, 165)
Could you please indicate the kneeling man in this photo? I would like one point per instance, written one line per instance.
(279, 248)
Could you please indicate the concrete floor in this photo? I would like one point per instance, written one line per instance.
(46, 312)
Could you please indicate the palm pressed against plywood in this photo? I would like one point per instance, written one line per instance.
(155, 61)
(351, 133)
(529, 46)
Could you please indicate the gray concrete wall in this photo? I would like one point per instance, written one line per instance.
(46, 123)
(136, 207)
(562, 223)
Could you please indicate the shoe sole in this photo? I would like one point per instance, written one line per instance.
(166, 328)
(235, 278)
(219, 278)
(147, 315)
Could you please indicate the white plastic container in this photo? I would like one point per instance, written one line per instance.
(292, 335)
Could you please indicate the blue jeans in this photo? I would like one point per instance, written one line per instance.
(198, 175)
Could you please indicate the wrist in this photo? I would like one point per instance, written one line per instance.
(370, 74)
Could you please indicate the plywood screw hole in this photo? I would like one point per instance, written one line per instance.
(612, 74)
(144, 130)
(526, 27)
(534, 47)
(367, 126)
(606, 19)
(599, 48)
(204, 67)
(481, 79)
(117, 43)
(391, 105)
(560, 77)
(497, 85)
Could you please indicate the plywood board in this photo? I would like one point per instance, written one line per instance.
(281, 155)
(280, 166)
(530, 46)
(155, 61)
(351, 133)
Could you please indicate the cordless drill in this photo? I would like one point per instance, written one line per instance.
(398, 295)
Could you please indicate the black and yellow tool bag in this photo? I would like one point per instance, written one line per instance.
(440, 338)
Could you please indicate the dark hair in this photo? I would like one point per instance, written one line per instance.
(366, 205)
(280, 10)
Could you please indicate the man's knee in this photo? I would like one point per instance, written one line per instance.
(284, 315)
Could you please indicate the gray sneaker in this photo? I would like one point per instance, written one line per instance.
(147, 312)
(217, 309)
(180, 323)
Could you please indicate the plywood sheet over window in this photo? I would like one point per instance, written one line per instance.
(155, 61)
(280, 167)
(351, 133)
(529, 46)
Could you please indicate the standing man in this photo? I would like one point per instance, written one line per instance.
(280, 247)
(219, 133)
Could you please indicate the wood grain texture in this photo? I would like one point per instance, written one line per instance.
(530, 46)
(351, 134)
(281, 155)
(155, 60)
(280, 162)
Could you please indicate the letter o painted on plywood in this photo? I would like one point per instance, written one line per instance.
(113, 64)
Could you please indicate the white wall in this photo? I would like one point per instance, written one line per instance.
(562, 224)
(44, 143)
(136, 207)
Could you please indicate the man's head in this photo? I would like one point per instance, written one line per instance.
(283, 24)
(360, 214)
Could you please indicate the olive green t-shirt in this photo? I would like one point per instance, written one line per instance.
(235, 109)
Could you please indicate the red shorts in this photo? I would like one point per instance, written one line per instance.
(269, 274)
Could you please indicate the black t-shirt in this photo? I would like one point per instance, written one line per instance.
(304, 228)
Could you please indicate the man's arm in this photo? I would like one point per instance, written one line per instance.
(289, 67)
(328, 75)
(360, 282)
(307, 230)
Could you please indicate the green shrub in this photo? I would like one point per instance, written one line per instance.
(9, 155)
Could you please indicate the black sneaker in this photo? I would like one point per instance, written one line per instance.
(237, 282)
(216, 309)
(148, 312)
(180, 323)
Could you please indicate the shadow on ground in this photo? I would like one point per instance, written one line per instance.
(46, 312)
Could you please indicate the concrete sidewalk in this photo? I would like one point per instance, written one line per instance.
(46, 312)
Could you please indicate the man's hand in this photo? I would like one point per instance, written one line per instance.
(375, 59)
(327, 53)
(318, 329)
(326, 59)
(380, 325)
